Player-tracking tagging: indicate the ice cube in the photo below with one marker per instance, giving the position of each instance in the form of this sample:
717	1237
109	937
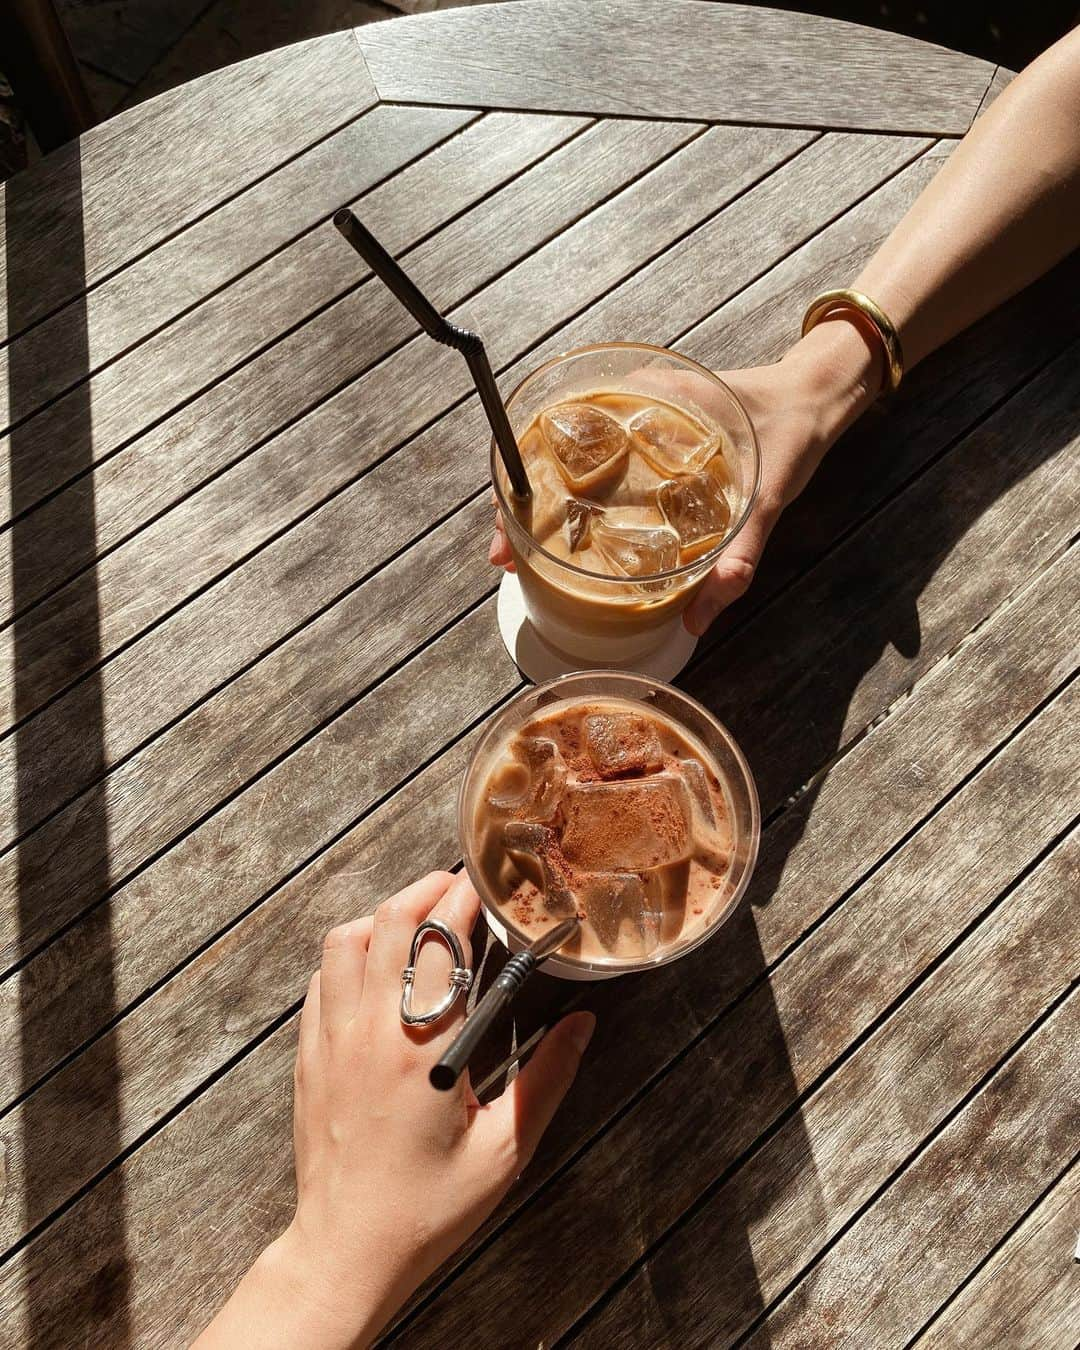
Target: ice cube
590	447
579	519
625	913
696	509
621	743
628	826
693	771
673	442
539	844
710	847
636	550
531	785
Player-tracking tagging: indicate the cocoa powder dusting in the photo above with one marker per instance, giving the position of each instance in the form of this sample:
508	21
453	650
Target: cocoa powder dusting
688	888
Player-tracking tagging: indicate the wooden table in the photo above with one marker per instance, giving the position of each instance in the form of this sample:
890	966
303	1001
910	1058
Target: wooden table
245	659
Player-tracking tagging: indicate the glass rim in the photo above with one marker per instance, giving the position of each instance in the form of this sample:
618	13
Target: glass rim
637	964
683	569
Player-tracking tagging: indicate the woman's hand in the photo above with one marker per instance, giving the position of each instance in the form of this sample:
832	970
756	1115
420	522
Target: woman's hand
391	1175
799	406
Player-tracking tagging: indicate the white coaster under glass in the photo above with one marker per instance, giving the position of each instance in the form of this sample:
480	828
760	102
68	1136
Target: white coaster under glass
540	662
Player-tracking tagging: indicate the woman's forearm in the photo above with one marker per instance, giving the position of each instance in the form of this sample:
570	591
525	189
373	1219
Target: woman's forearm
284	1302
1003	209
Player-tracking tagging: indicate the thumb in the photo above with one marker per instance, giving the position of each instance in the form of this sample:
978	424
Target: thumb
732	573
528	1104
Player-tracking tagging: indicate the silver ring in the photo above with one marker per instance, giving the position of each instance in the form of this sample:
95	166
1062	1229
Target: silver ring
461	977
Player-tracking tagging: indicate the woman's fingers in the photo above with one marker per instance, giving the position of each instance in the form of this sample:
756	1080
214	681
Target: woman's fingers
732	573
341	980
499	554
309	1027
396	921
458	909
728	580
526	1107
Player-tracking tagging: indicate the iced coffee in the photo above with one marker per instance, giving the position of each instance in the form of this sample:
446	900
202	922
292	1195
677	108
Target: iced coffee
641	473
612	809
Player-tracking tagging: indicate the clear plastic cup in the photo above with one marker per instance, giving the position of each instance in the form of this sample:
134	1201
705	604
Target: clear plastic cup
726	758
616	620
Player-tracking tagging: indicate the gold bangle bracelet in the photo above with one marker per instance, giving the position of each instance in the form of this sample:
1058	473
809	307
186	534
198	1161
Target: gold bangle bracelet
829	302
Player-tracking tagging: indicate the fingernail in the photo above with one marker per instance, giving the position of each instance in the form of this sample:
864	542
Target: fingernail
582	1026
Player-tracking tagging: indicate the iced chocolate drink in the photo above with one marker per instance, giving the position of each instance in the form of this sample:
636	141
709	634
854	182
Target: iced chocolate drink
614	809
642	466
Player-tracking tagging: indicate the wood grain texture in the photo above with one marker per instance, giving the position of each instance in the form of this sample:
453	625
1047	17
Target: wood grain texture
227	740
244	507
1026	1294
904	1257
956	716
144	933
134	180
676	58
789	1200
960	711
750	1065
359	522
296	809
244	725
1000	81
181	272
225	736
105	1301
231	328
997	479
210	753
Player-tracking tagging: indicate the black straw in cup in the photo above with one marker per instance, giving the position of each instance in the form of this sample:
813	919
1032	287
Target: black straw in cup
507	983
388	270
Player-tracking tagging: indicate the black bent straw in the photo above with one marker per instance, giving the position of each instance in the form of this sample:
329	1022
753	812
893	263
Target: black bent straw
388	270
507	983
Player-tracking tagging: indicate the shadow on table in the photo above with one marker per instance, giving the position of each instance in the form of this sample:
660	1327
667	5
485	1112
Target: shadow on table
743	1069
892	580
61	1306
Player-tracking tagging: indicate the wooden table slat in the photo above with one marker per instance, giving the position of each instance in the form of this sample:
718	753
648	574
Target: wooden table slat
987	498
934	933
1019	641
677	58
98	203
99	1290
323	786
766	1223
208	660
49	1007
250	515
671	283
1026	1293
908	1252
146	295
999	82
228	332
